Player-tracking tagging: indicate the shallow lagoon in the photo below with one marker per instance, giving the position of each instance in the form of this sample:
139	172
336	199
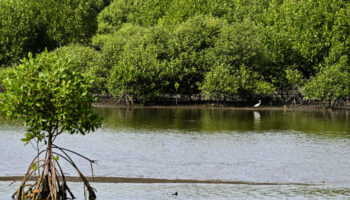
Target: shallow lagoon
254	146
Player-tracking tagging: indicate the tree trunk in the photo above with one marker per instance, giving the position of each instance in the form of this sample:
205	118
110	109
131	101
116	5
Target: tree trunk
49	147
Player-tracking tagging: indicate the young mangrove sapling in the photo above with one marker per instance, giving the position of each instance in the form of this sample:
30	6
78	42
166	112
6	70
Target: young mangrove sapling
52	98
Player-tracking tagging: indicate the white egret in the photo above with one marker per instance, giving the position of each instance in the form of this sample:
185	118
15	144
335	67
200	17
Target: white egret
257	105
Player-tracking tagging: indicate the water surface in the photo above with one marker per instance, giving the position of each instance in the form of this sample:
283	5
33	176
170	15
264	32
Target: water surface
238	145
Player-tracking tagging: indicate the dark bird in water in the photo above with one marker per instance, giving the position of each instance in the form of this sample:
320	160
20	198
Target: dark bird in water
175	194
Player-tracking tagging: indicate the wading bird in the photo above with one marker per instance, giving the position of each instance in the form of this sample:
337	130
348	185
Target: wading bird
257	105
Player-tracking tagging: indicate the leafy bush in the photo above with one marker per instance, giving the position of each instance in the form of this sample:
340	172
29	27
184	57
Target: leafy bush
331	83
251	82
192	51
83	56
223	81
307	30
3	75
284	43
33	25
88	61
240	44
16	30
117	13
112	45
48	82
219	81
170	13
139	70
51	98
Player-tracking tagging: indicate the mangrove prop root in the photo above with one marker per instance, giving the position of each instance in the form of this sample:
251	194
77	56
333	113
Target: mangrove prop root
50	182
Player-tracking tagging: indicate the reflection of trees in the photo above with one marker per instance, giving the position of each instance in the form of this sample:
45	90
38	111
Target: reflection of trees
217	120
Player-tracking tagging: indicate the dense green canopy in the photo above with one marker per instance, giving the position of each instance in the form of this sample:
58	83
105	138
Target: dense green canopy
33	25
47	93
142	48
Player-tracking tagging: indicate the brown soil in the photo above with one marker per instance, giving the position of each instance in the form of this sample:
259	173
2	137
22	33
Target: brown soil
154	180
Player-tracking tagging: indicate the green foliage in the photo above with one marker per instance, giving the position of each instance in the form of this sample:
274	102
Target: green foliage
140	68
182	56
251	82
149	13
117	13
84	57
340	40
219	81
192	51
303	34
15	30
3	72
242	81
295	78
180	11
176	85
306	31
77	26
50	96
150	48
171	13
331	83
152	12
89	62
112	45
240	44
283	41
148	62
33	25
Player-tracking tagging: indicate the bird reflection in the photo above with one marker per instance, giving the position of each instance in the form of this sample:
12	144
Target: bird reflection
257	116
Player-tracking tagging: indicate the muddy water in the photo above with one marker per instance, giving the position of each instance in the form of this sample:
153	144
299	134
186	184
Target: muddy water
250	146
128	191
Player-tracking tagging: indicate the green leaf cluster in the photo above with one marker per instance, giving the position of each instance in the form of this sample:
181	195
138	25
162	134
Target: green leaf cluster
33	25
49	96
89	62
140	67
331	83
144	47
148	62
220	81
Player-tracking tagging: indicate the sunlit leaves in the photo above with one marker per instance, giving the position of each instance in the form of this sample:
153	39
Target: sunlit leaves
331	83
220	81
223	80
89	62
33	25
140	68
49	96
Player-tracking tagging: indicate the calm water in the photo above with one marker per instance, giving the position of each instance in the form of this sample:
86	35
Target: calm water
254	146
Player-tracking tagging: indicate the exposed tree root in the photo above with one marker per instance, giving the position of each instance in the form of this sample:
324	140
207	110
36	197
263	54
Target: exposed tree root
126	98
50	181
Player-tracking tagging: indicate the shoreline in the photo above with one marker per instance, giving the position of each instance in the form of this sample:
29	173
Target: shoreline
100	179
213	106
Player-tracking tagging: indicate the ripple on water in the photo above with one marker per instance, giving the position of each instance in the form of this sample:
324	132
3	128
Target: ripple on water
199	191
251	156
303	147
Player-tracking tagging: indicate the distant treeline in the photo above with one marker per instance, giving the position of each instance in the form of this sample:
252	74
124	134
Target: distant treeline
141	50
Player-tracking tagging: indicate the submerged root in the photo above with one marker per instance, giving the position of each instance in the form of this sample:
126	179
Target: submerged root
50	182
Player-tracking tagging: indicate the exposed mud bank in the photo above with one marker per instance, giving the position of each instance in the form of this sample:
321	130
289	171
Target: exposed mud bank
222	106
100	179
